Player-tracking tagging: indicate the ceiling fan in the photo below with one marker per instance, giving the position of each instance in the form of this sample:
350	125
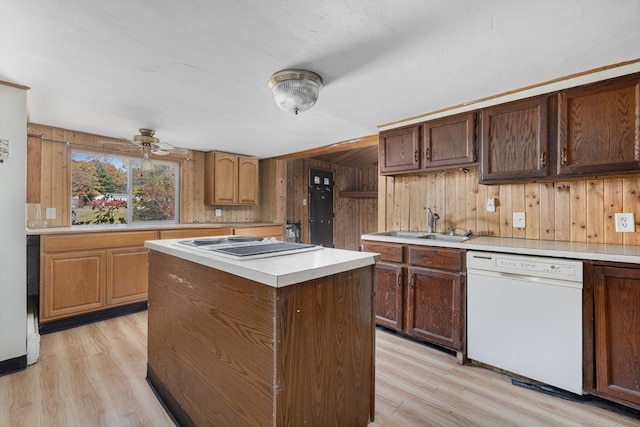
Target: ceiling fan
149	144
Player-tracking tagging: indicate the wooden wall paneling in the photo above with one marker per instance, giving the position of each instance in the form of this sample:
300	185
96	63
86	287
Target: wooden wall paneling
532	210
563	210
595	210
578	211
471	208
612	195
631	203
458	217
506	211
273	190
440	196
34	166
382	202
546	199
417	190
493	218
482	216
518	204
403	203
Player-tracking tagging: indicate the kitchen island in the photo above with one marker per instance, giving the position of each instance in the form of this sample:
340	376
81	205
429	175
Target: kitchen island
279	341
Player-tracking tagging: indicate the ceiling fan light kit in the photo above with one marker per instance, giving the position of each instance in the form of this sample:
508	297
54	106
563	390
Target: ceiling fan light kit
295	90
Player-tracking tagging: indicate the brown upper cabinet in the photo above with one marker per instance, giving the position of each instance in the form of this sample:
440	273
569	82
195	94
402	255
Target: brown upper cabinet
399	150
584	131
434	145
230	179
515	141
449	142
599	128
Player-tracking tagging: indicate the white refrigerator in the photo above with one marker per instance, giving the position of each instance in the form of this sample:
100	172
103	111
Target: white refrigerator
13	257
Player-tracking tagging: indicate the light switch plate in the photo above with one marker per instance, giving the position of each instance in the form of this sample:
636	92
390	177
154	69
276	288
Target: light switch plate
491	204
518	220
218	212
625	222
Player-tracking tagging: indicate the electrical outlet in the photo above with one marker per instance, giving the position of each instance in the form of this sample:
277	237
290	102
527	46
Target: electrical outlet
50	213
491	204
625	222
218	212
518	220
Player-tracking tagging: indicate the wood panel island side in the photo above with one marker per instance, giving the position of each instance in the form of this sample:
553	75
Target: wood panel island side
278	341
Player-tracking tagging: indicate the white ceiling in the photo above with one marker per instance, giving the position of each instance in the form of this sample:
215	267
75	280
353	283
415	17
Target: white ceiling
197	71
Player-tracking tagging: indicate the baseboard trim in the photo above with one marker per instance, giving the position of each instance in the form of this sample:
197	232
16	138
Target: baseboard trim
10	366
169	403
83	319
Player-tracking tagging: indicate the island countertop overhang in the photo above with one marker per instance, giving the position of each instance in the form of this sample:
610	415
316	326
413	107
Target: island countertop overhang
276	271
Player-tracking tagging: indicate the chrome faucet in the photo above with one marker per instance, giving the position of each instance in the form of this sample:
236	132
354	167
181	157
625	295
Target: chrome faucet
432	218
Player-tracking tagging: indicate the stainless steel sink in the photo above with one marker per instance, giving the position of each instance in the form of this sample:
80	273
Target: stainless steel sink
446	237
425	235
405	234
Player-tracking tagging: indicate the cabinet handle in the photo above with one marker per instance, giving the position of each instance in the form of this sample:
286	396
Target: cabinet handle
428	154
415	156
398	279
563	157
542	160
411	280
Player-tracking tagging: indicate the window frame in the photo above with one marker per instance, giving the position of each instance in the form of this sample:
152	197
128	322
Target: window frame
133	163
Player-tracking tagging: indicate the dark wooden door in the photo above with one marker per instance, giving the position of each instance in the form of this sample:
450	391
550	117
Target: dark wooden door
321	207
434	310
598	128
450	141
389	284
515	141
617	332
399	150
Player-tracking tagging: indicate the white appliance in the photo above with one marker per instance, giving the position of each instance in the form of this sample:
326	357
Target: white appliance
524	315
13	240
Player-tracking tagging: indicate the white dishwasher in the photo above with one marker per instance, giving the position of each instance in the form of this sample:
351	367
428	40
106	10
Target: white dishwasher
524	315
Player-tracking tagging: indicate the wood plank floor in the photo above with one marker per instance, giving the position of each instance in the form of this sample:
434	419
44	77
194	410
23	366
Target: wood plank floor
94	375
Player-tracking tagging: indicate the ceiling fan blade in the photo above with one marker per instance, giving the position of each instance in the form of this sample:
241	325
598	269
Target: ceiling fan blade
159	152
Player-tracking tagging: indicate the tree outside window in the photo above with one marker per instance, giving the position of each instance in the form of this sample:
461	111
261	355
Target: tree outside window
114	190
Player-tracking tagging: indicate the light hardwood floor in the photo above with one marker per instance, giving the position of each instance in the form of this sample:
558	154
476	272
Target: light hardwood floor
94	375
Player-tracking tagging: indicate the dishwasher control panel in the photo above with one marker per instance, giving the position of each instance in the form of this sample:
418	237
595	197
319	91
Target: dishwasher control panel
525	265
532	266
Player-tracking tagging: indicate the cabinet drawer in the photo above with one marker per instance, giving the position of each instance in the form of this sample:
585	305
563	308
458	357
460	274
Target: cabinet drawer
388	251
84	241
435	257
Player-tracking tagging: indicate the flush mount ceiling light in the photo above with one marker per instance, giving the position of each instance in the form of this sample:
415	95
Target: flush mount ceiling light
295	91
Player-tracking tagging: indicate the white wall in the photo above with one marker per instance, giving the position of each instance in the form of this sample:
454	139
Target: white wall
13	258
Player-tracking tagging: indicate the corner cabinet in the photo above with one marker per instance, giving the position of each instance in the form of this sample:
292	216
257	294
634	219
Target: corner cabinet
612	332
230	179
421	292
599	128
515	141
83	273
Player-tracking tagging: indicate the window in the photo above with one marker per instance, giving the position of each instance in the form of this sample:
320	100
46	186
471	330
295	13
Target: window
109	189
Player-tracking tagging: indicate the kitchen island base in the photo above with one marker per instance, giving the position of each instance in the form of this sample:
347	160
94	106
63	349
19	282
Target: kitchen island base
226	350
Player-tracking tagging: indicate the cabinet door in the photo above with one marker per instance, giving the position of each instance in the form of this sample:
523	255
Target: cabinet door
399	150
617	332
598	128
248	181
449	142
515	141
127	275
225	179
389	284
72	283
435	307
391	252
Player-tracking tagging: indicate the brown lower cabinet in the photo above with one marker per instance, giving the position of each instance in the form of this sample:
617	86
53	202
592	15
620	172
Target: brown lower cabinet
420	292
83	273
612	332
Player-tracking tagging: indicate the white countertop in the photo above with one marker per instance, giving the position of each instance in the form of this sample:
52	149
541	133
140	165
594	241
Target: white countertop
549	248
276	271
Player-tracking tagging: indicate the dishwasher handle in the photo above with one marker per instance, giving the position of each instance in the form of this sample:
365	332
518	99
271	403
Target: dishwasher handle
523	278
